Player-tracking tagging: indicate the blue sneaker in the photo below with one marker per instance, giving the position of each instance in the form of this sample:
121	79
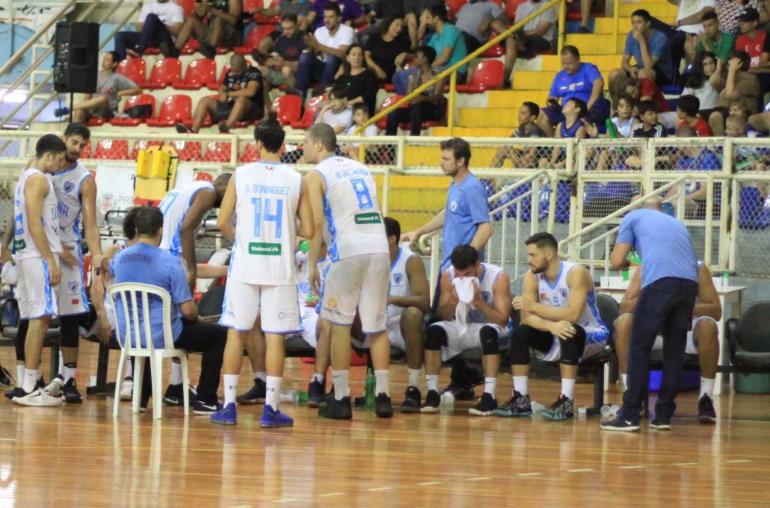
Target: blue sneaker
272	418
225	416
60	112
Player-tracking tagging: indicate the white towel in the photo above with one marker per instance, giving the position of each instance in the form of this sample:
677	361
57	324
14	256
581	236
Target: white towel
464	287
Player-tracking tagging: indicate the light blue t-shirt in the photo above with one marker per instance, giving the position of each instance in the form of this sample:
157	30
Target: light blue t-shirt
147	264
566	86
466	208
657	46
662	242
450	37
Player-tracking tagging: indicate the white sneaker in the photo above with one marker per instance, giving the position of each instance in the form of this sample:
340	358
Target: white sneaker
54	388
38	398
127	389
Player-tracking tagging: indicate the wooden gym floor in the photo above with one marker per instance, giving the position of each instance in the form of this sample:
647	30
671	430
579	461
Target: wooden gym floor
79	456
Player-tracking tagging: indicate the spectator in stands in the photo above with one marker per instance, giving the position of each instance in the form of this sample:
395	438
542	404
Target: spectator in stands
573	127
705	81
576	79
477	19
649	128
327	46
282	63
413	10
387	49
535	37
241	99
757	45
689	26
585	14
360	84
522	157
687	109
693	158
360	117
214	24
622	125
110	87
336	113
713	40
641	90
730	10
351	12
301	9
158	22
446	39
650	51
429	105
741	87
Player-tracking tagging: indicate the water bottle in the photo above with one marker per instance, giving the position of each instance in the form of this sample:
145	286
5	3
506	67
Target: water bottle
289	396
536	407
447	405
610	411
725	279
369	388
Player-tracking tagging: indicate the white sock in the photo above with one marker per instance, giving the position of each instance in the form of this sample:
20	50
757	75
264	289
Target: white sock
273	390
61	365
414	377
175	378
340	382
318	377
706	386
568	388
231	387
69	373
260	375
624	378
520	384
129	370
382	382
431	380
19	374
30	380
490	384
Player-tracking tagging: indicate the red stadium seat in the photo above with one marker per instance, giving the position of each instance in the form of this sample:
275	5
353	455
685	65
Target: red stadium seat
495	51
249	153
217	151
199	73
173	109
382	123
510	8
190	47
96	121
137	100
111	149
86	152
214	85
187	5
203	176
187	150
165	72
312	107
288	108
252	41
134	69
143	144
454	6
485	75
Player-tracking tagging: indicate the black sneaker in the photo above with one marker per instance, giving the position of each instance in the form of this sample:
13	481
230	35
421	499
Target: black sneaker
205	408
223	128
5	377
562	409
706	412
182	128
256	395
461	392
14	392
519	405
382	406
485	407
174	395
70	392
660	423
207	50
337	409
168	50
359	401
315	394
432	402
619	424
412	399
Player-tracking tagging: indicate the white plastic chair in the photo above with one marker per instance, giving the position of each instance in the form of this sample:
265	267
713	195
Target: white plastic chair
133	297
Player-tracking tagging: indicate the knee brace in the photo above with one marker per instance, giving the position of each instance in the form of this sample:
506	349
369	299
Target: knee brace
21	339
572	349
490	342
68	328
519	352
435	337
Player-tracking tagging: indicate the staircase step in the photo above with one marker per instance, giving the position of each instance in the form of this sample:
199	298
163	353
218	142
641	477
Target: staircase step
514	98
596	44
489	117
415	156
542	80
486	132
552	63
656	9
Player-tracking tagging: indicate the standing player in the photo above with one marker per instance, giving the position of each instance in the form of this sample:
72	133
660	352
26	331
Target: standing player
266	198
408	302
36	248
344	193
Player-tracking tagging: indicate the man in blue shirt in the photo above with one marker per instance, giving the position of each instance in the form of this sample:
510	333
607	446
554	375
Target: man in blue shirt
447	39
144	262
576	79
669	288
650	50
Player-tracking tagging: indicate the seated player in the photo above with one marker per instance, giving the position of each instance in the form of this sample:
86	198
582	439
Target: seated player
559	319
702	339
473	308
408	301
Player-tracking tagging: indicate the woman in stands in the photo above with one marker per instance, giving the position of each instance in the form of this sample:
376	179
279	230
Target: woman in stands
705	81
360	83
387	50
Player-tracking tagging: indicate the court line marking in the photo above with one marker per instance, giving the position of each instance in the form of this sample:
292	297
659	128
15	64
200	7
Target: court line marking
478	478
585	470
330	494
379	489
684	464
637	466
425	484
7	439
737	461
528	474
287	500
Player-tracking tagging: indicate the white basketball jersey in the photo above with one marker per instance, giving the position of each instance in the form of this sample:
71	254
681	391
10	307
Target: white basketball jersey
487	280
557	295
23	245
174	207
67	185
399	280
265	230
353	218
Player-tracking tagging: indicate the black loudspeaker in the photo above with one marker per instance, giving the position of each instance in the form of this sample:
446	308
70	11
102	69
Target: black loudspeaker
76	57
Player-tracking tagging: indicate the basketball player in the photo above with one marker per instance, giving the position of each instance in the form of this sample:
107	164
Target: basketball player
36	248
408	302
484	324
344	193
559	319
266	198
702	338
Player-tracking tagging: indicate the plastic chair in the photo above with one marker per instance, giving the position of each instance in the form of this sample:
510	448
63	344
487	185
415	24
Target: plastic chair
134	69
249	153
165	72
252	40
111	149
199	73
288	108
217	151
134	300
187	150
187	5
137	100
143	144
510	8
215	84
173	109
748	339
382	123
485	75
454	6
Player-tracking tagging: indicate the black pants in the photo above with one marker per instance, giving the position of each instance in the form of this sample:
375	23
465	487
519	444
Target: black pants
664	306
525	337
415	114
154	32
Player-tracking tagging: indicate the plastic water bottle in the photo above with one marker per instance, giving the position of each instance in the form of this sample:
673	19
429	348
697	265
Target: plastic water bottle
610	411
725	279
289	396
369	388
447	404
537	407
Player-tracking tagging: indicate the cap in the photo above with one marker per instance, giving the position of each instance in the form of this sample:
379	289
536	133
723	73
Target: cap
749	14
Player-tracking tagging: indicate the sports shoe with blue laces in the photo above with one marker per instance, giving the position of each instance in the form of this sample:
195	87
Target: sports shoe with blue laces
225	416
272	418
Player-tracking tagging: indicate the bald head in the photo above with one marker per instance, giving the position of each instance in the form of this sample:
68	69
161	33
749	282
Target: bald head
653	203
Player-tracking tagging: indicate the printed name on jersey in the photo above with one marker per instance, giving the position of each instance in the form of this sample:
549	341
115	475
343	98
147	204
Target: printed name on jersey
19	245
368	218
264	249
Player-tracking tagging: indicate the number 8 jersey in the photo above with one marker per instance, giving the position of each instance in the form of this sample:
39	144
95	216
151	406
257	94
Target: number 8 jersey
267	197
353	218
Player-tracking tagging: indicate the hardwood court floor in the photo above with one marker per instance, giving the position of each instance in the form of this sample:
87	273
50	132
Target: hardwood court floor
79	456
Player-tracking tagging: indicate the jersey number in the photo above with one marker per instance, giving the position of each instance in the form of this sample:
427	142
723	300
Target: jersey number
262	213
362	194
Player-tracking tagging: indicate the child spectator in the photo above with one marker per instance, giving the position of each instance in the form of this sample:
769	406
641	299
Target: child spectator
705	81
336	113
522	157
687	111
573	127
649	128
360	117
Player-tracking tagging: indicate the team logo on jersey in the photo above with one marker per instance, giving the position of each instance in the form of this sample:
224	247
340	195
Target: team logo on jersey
69	187
331	303
485	295
397	278
73	287
563	292
453	206
542	297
